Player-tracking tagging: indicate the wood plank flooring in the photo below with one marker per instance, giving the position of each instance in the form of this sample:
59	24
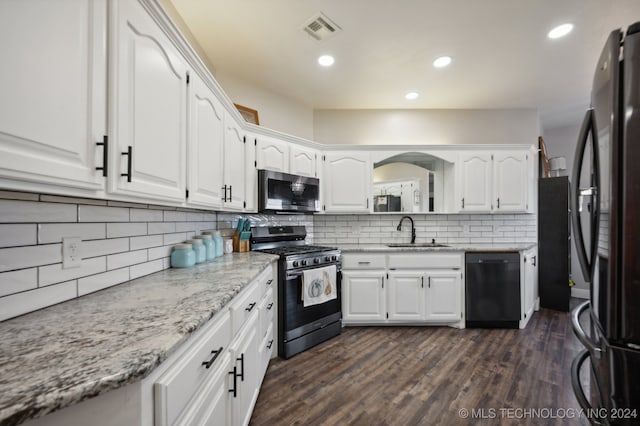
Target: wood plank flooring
425	376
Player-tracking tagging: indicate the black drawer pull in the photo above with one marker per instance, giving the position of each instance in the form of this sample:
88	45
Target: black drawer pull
105	154
216	354
250	307
224	188
241	359
269	306
270	344
234	391
129	155
230	193
269	282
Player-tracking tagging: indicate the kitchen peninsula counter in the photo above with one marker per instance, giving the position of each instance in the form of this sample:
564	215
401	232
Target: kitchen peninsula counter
58	356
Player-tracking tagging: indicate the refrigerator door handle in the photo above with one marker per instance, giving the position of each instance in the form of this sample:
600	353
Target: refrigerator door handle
577	387
579	332
576	196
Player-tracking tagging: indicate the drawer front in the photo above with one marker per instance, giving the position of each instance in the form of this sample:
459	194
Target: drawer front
266	280
244	305
363	261
425	261
266	349
266	312
175	388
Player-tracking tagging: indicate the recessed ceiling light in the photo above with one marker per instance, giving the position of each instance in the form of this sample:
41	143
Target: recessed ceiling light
411	96
326	60
560	31
442	61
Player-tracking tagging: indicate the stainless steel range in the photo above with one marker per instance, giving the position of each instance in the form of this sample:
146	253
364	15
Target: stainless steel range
300	327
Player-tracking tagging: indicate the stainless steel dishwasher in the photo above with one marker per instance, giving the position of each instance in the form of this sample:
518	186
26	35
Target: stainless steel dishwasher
493	289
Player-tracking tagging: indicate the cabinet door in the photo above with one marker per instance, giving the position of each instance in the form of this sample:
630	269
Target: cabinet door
363	296
405	296
204	150
234	165
530	282
475	182
302	161
510	181
148	105
347	181
272	154
245	352
443	295
53	83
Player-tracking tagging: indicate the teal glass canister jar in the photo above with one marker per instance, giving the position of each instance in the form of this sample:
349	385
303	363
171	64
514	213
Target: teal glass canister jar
199	249
208	245
183	256
217	239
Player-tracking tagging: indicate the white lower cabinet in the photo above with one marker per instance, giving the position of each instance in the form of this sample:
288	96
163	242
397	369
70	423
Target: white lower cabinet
244	385
407	288
529	284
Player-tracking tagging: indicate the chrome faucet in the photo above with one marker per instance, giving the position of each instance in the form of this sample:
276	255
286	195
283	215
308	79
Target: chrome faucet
413	228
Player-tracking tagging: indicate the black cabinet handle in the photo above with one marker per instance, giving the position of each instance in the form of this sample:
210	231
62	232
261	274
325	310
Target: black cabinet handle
534	260
230	193
269	282
269	306
224	198
241	359
422	283
498	202
216	354
234	373
250	307
429	283
129	155
105	154
270	344
463	203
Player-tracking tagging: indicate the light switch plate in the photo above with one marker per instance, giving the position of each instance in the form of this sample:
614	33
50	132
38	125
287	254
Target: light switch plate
71	257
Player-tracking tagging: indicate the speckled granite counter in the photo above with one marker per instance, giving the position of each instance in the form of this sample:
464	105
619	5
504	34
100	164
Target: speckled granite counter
354	248
69	352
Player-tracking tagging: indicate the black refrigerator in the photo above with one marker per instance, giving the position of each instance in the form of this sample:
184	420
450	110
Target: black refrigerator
605	209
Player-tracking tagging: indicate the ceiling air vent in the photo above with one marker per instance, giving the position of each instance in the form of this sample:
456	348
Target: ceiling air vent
320	27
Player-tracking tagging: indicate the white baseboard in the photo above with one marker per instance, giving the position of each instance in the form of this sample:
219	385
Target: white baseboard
580	293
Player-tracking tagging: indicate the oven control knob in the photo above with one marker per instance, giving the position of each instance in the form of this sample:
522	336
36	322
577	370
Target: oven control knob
316	260
295	263
304	263
334	258
327	258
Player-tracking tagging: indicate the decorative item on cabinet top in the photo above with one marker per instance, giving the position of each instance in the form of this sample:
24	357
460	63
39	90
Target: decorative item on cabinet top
249	115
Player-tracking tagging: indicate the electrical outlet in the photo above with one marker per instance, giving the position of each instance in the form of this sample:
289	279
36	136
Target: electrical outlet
71	257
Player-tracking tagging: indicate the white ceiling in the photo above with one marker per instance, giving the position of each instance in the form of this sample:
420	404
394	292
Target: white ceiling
501	55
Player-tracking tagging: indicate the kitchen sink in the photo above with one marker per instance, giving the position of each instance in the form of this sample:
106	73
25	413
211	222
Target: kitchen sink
416	245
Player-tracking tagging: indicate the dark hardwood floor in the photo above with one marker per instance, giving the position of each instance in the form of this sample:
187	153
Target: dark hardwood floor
426	376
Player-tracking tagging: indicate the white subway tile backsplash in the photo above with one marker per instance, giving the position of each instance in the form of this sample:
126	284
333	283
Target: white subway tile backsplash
28	301
147	241
174	238
54	232
175	216
12	211
102	214
100	281
52	274
72	200
12	235
159	252
142	269
97	248
145	215
129	258
28	256
115	230
187	226
17	281
161	228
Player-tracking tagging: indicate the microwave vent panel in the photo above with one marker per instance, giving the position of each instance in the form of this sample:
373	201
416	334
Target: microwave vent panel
320	27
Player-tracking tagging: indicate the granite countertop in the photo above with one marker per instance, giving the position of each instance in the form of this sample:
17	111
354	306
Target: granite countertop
355	248
75	350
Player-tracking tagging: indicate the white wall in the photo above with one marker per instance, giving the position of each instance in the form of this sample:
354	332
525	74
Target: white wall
274	111
561	142
426	126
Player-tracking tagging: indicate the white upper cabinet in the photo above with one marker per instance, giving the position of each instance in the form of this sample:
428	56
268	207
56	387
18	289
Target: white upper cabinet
272	154
233	188
475	182
510	181
204	148
347	181
497	181
148	96
303	160
53	95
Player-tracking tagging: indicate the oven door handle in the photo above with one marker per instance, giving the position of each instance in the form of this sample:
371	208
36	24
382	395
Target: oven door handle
294	275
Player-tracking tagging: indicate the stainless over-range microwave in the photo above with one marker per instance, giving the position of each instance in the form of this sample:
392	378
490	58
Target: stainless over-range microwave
283	192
